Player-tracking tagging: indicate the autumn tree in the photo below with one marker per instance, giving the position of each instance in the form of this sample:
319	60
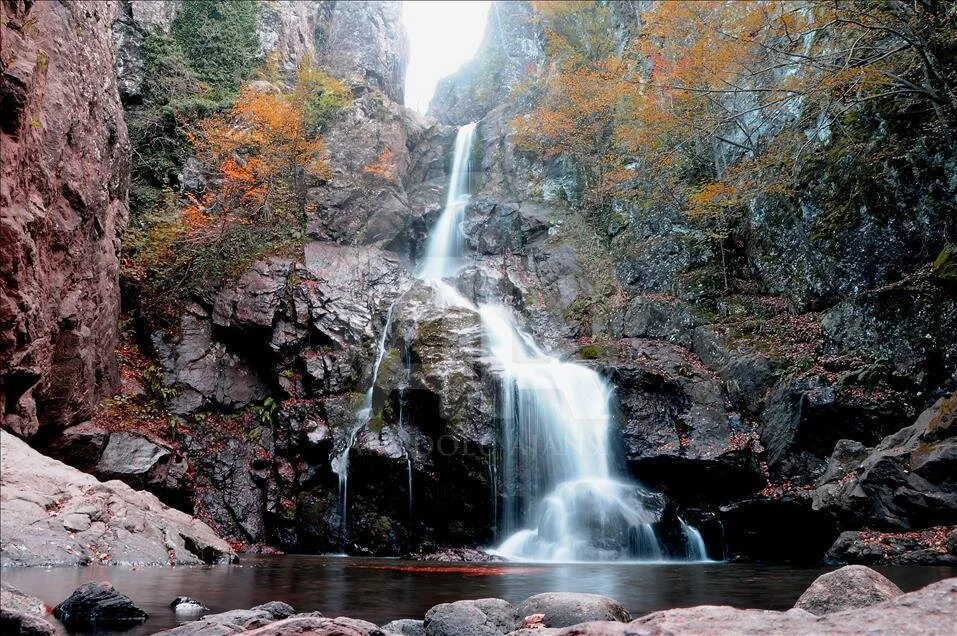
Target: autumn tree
260	156
580	92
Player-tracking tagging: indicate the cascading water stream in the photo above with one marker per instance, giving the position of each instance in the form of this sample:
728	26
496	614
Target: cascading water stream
561	502
340	462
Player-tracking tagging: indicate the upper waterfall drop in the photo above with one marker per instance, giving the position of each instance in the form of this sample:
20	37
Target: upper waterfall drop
560	500
446	245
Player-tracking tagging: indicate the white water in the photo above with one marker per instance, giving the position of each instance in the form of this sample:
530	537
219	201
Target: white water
340	462
560	501
446	245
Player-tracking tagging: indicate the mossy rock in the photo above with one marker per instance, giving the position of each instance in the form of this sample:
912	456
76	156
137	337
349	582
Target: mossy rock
591	352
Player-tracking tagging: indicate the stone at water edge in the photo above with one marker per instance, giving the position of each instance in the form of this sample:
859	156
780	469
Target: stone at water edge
97	606
277	609
405	627
850	587
24	624
562	609
482	617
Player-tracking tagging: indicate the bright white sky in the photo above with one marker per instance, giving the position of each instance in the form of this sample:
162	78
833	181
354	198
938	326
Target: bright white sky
442	36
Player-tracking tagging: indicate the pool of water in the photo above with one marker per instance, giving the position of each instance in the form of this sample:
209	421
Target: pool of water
380	590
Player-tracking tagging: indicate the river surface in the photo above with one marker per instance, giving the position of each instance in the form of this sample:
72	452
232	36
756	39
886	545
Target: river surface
380	590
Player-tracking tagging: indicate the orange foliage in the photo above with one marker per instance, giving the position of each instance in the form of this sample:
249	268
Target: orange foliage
706	90
383	167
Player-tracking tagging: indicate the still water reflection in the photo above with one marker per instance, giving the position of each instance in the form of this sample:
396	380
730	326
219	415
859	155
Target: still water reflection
380	590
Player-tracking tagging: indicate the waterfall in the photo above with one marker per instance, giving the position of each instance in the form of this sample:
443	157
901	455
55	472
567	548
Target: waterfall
340	461
446	244
560	499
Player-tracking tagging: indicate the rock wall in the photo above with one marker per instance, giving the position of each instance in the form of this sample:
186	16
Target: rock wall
513	50
65	175
52	514
362	43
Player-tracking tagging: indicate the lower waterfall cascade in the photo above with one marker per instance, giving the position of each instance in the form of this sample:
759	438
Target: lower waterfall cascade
560	499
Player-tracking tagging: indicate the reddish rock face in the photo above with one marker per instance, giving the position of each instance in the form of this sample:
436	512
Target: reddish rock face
63	208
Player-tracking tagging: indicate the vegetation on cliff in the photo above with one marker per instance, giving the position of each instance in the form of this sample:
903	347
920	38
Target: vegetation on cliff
258	158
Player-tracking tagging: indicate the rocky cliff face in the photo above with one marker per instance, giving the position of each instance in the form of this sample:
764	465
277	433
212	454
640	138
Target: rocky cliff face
360	43
513	50
65	177
740	366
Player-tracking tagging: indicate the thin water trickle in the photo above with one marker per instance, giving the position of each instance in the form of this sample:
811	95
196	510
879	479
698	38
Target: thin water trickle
559	500
340	461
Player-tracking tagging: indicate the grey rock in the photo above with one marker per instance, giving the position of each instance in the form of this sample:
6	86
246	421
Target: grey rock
850	587
907	480
24	624
80	446
127	526
202	370
14	599
676	429
192	178
365	43
405	626
277	609
513	42
133	457
930	610
482	617
563	609
889	548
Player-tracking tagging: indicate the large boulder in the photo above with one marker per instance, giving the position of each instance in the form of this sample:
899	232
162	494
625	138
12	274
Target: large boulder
677	431
907	481
850	587
97	606
561	609
52	514
24	624
483	617
928	546
931	610
63	210
23	614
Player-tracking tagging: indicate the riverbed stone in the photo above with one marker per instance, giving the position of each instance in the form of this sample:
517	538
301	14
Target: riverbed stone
930	610
277	609
98	606
24	624
561	609
482	617
405	626
849	587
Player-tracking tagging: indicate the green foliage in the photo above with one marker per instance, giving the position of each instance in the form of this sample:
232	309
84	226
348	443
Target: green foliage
219	39
320	96
945	265
590	352
187	76
266	412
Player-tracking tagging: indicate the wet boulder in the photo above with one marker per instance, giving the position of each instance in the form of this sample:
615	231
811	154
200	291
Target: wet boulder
97	606
850	587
